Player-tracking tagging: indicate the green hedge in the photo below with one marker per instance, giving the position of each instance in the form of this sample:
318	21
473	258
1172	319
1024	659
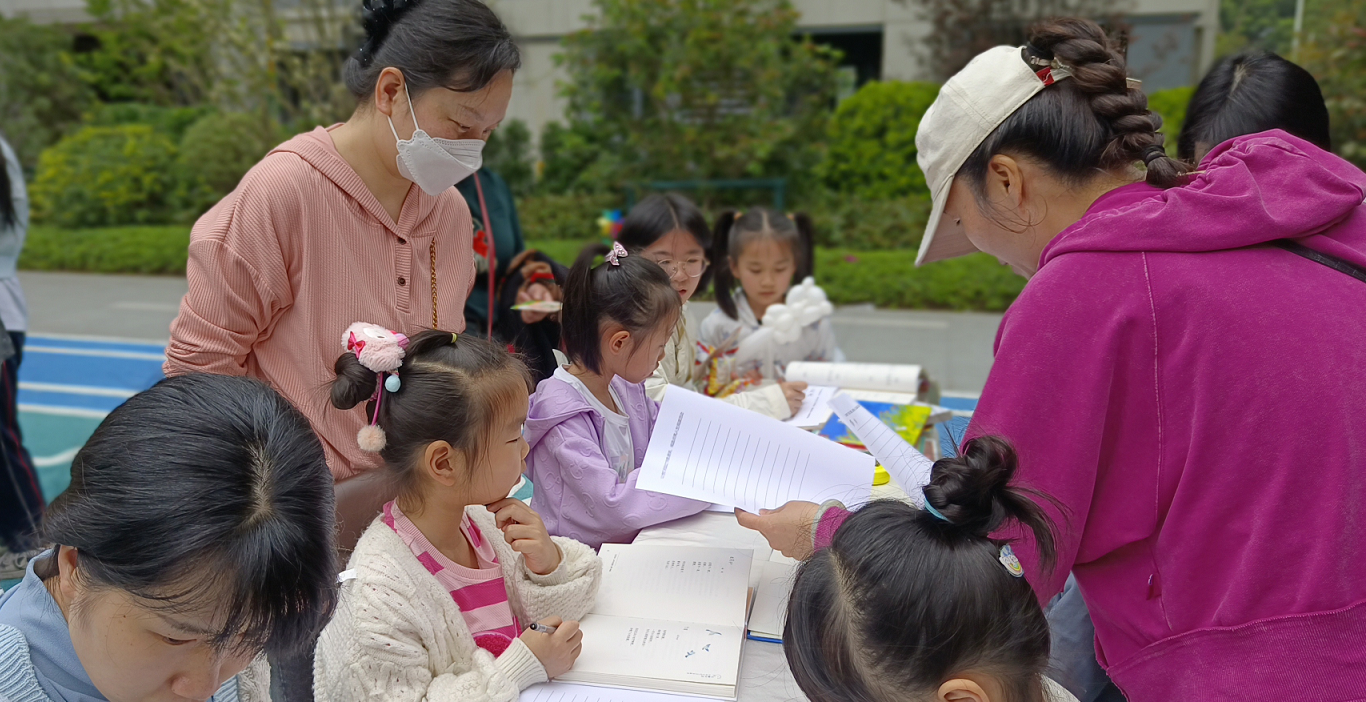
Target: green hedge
884	278
148	250
870	144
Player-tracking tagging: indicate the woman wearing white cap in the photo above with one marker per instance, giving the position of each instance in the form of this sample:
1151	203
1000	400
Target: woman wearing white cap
1181	374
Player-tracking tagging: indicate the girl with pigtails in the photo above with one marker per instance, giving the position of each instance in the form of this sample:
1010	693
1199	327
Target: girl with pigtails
1170	318
767	323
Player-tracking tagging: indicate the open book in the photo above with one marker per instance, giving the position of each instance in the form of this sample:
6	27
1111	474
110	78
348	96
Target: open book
769	614
667	619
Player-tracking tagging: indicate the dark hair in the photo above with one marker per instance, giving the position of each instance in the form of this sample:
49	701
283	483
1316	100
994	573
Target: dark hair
1249	93
659	214
1088	122
8	215
635	293
902	600
453	390
207	485
736	230
459	45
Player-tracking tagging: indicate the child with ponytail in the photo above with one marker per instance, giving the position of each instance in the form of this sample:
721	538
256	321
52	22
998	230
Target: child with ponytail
764	252
923	604
441	587
590	422
669	230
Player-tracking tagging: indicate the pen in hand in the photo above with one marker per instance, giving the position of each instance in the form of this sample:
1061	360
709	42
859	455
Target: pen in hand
542	628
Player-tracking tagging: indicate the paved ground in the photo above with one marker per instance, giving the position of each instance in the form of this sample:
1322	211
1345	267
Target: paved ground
97	339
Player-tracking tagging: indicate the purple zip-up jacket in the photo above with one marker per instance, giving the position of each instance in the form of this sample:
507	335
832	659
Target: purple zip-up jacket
1195	400
577	493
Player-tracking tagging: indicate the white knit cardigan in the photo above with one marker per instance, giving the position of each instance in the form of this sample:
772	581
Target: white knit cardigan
398	635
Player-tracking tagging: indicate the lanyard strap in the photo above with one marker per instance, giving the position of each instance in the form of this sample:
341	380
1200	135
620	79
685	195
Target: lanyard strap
1331	261
493	250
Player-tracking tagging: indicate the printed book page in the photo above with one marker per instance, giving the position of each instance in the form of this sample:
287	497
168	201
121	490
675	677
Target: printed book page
815	408
685	583
705	449
566	692
618	648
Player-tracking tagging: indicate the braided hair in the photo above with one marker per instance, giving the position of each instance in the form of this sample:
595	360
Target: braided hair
1093	120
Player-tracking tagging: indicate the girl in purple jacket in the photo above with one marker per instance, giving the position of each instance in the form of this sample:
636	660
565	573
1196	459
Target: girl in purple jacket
590	422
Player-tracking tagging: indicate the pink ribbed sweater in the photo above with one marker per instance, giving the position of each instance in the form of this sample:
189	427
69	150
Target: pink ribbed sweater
300	250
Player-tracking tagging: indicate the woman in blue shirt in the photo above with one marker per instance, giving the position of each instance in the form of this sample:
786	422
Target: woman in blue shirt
197	535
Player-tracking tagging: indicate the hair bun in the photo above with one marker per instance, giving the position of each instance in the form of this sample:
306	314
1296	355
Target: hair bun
972	490
378	17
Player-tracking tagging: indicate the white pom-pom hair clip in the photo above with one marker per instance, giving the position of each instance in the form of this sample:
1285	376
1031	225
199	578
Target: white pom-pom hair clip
380	350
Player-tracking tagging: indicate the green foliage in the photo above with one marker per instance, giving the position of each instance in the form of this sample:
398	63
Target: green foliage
1260	24
41	94
871	141
890	279
170	122
1171	104
865	225
564	217
692	89
103	176
147	250
1334	50
577	159
153	51
215	152
508	153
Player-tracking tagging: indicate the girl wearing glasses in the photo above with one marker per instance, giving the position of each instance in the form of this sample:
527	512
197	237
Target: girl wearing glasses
669	230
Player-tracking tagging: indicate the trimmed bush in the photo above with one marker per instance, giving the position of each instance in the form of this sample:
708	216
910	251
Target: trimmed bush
147	250
890	279
170	122
871	140
573	217
867	225
103	176
216	151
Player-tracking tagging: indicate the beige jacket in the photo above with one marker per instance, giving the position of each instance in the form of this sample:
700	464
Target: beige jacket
398	636
677	368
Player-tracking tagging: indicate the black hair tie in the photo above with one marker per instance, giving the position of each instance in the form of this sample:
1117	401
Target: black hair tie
378	17
1152	153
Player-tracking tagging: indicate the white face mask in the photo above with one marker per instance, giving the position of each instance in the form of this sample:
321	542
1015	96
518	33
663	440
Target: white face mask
435	164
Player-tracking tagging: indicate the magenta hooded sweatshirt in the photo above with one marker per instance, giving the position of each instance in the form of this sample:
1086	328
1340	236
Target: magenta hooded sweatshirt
1195	401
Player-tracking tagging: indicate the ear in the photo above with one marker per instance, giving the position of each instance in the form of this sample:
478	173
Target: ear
961	690
443	464
67	565
1005	182
618	342
389	88
734	268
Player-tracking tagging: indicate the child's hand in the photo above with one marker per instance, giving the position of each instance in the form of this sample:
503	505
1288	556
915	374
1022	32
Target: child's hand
525	531
795	394
558	651
534	293
788	529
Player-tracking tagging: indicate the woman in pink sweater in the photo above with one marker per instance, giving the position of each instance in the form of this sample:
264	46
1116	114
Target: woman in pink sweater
356	220
1182	374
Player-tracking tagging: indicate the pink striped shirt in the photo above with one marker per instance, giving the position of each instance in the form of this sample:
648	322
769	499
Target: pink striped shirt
301	249
480	593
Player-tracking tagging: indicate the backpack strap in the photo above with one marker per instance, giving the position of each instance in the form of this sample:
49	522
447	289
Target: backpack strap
1331	261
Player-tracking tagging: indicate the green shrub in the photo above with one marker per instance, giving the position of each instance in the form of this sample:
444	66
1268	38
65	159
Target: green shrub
1171	104
216	151
890	279
146	250
576	159
871	140
508	153
102	176
170	122
866	225
573	217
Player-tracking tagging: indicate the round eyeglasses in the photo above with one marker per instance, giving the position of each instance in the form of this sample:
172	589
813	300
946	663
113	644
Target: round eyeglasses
692	267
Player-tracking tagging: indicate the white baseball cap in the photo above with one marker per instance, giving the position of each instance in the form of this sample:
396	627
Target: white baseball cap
970	106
